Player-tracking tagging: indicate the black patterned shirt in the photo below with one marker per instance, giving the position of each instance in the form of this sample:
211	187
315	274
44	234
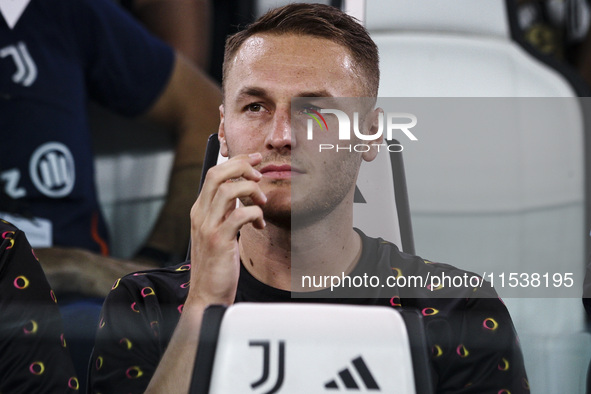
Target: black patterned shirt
33	353
473	344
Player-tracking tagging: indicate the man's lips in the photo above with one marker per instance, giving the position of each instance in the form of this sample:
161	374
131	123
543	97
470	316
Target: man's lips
279	171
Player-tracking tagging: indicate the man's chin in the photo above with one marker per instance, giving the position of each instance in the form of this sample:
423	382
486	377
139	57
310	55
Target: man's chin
279	219
274	212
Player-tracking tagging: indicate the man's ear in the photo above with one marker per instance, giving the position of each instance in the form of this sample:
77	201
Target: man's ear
373	121
222	134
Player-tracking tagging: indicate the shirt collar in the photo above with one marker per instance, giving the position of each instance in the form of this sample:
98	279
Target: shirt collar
12	10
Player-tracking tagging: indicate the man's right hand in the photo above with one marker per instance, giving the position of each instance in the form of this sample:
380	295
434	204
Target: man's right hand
215	223
215	261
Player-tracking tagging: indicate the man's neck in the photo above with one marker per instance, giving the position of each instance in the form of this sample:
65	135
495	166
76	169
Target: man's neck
280	256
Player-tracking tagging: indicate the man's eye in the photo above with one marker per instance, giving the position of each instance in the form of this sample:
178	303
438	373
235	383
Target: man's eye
309	109
254	107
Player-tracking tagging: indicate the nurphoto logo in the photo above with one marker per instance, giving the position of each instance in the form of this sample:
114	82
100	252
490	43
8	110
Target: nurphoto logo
394	121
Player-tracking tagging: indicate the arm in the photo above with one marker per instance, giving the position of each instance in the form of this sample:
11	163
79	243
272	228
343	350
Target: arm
184	24
190	104
477	349
73	270
133	330
132	73
215	262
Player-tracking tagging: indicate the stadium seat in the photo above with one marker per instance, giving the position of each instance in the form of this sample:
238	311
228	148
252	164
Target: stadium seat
301	348
494	199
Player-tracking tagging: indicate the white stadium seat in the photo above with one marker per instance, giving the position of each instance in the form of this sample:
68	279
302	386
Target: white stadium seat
302	348
502	200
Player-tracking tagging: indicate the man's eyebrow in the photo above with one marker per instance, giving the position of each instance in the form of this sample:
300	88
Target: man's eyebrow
259	92
251	92
316	93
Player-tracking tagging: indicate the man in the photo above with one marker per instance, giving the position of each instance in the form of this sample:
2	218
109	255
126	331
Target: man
297	207
54	56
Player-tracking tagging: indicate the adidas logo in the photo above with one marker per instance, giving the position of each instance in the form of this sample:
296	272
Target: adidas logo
349	382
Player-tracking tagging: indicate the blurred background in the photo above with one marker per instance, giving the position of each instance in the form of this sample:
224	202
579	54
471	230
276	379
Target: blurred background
516	200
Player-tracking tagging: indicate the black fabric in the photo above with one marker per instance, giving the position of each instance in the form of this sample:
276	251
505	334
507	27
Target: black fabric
229	17
156	255
33	353
472	339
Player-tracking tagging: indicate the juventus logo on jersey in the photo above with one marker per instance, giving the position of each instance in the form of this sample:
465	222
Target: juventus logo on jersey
26	70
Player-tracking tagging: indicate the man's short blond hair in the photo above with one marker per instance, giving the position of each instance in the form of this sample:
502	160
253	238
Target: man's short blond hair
317	20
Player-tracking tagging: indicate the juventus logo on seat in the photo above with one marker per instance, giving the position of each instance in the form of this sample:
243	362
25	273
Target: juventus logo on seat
26	70
266	345
349	381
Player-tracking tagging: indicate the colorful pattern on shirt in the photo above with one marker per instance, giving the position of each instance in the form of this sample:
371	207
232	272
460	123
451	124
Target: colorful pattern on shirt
474	348
33	353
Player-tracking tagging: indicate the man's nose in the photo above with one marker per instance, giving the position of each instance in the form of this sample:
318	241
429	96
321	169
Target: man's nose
279	137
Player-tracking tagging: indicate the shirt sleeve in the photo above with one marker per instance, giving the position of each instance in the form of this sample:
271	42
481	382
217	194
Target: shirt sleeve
469	332
128	343
33	352
475	349
126	67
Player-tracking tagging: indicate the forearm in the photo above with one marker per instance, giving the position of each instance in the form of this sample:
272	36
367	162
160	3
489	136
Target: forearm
215	267
190	103
184	24
170	233
71	270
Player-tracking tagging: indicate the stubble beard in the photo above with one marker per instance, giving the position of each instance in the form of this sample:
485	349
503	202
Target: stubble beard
275	212
307	206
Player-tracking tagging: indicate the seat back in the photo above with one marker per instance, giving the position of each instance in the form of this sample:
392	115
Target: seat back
460	49
299	348
486	197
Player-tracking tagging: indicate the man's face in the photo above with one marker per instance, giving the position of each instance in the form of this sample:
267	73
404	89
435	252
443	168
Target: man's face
265	74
